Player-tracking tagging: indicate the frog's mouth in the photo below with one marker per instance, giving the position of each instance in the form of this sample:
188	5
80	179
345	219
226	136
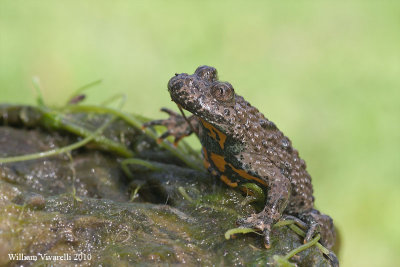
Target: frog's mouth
185	92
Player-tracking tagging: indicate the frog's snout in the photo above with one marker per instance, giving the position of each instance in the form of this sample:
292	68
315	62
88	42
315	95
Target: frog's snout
176	83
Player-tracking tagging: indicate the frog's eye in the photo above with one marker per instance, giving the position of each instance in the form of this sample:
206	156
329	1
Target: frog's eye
223	91
207	73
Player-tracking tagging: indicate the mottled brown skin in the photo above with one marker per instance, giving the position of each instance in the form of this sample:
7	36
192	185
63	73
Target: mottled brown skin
240	146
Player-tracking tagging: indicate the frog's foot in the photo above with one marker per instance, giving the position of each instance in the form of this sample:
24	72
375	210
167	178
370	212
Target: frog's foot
317	223
326	227
260	222
314	222
177	126
312	229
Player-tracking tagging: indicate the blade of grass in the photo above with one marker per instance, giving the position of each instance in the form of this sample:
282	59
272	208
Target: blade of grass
38	89
137	123
58	150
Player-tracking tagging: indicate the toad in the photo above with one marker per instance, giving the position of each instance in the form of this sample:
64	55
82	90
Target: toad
240	145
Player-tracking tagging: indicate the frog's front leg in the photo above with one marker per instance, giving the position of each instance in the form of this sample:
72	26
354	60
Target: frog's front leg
177	125
277	200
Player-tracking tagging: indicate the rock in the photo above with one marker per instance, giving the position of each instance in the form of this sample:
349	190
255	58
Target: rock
84	209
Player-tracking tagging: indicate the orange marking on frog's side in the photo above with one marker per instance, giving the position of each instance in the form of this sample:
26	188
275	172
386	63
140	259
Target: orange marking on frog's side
206	163
205	153
222	138
228	182
245	175
213	132
210	128
218	161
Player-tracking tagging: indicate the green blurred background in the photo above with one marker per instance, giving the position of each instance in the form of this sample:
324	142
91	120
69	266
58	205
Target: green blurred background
327	73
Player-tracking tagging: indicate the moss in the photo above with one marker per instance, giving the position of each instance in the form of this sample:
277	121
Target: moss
81	203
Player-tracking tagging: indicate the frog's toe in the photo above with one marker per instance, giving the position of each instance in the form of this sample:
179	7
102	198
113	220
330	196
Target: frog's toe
261	223
313	229
296	220
249	222
267	238
242	223
161	138
152	123
170	112
333	259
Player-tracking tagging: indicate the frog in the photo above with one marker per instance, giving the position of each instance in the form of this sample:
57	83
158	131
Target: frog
240	146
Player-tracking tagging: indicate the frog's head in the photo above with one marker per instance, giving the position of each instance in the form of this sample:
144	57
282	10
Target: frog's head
205	96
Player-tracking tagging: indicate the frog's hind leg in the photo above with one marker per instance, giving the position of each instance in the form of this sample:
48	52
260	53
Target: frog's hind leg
277	200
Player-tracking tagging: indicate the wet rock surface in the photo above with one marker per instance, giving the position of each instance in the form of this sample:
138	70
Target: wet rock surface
82	205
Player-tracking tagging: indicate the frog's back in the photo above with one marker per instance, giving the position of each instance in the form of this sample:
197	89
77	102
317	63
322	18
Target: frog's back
267	148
